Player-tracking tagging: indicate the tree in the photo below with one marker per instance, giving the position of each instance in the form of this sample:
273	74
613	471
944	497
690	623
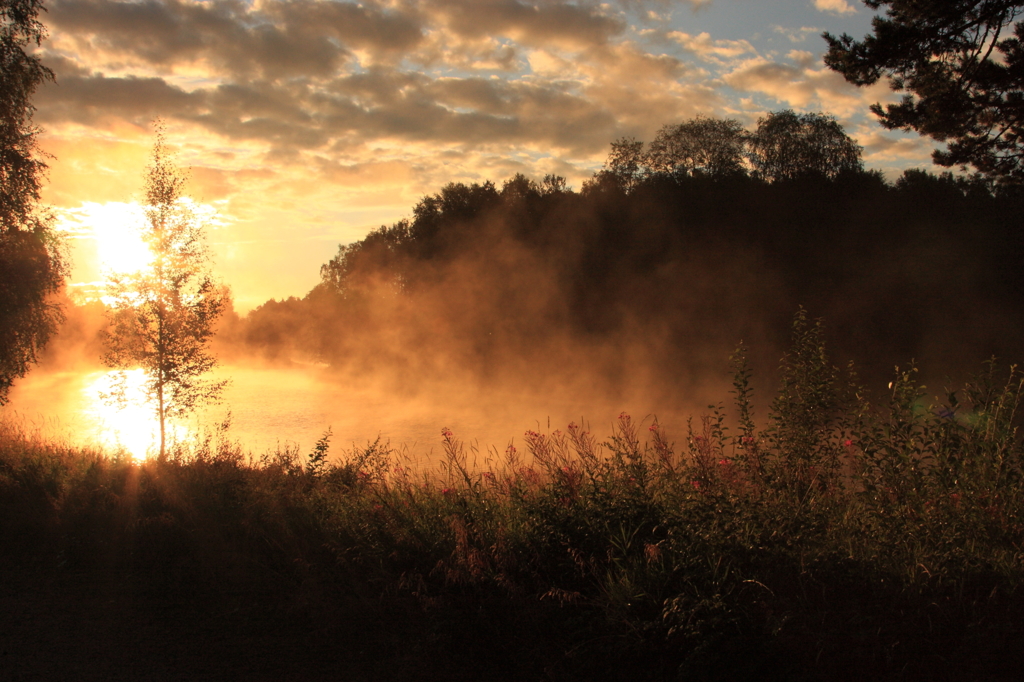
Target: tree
625	167
161	318
961	65
701	146
787	145
33	264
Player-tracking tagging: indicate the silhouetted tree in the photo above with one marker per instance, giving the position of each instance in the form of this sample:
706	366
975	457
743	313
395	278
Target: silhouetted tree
162	317
33	266
371	263
624	169
961	63
457	203
702	146
787	145
553	184
518	189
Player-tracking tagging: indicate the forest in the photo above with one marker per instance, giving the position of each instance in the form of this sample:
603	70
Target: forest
673	268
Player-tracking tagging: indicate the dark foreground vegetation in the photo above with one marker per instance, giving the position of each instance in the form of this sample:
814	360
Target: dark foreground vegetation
847	539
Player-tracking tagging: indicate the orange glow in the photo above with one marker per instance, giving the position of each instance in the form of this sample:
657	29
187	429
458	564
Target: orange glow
133	424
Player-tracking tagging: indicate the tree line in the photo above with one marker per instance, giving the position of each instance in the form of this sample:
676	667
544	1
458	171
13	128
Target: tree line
785	145
689	262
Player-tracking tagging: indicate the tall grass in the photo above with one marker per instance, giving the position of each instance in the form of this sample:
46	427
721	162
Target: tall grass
847	538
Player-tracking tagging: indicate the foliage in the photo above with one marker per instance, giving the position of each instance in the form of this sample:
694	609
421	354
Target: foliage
787	145
33	264
162	317
703	145
784	146
625	167
961	65
446	287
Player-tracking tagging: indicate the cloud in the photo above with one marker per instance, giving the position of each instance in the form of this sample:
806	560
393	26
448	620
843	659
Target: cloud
797	35
835	6
802	86
96	98
553	23
707	49
272	40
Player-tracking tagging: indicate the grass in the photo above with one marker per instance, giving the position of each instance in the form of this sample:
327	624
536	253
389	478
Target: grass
846	539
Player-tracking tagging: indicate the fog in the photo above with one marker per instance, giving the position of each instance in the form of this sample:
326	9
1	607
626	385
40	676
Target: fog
493	311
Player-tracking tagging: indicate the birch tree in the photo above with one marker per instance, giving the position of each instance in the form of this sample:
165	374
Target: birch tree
161	318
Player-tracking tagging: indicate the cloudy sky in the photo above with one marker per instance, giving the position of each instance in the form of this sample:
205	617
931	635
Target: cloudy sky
306	123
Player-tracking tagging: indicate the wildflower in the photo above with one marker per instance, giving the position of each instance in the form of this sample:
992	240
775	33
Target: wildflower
446	491
696	484
848	443
446	432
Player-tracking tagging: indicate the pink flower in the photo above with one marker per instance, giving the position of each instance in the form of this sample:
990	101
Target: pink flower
848	442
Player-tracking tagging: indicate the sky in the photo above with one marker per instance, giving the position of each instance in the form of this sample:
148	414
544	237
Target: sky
305	123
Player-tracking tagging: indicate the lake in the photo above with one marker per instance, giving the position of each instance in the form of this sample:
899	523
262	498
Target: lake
273	408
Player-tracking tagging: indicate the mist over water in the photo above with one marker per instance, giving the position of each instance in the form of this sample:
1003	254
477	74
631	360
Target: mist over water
494	312
274	408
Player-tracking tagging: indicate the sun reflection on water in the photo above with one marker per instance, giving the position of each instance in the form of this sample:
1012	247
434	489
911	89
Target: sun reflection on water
130	424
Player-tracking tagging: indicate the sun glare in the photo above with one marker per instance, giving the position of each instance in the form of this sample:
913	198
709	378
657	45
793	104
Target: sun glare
132	425
114	227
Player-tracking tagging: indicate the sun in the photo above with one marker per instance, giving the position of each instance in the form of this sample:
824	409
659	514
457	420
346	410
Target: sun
114	228
119	243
